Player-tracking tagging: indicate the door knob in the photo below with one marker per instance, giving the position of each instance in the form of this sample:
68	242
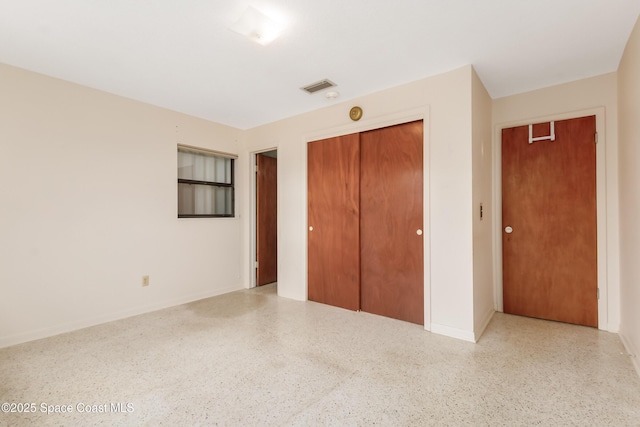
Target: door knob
508	230
310	228
419	232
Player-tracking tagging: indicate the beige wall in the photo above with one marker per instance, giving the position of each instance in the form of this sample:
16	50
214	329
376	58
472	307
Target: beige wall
629	175
88	206
444	102
89	198
597	95
92	204
483	283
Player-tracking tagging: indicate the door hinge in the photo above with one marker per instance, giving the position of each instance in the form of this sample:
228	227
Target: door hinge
598	293
256	264
596	139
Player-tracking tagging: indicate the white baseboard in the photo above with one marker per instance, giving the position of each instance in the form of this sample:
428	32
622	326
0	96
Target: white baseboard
483	326
452	332
37	334
464	335
633	352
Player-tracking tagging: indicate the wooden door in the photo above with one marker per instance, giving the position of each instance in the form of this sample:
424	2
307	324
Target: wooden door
549	201
391	245
333	221
266	219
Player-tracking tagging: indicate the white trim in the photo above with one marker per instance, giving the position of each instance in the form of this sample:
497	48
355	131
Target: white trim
426	194
485	322
601	202
631	351
371	124
453	332
397	118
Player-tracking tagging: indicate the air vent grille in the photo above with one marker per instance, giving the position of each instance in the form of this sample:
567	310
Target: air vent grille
318	86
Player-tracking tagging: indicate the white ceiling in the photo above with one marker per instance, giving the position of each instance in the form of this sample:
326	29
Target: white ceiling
180	54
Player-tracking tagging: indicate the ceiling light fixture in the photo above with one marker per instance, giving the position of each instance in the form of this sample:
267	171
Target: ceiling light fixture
257	26
332	94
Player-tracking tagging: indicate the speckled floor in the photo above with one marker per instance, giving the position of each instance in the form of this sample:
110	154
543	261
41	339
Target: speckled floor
252	359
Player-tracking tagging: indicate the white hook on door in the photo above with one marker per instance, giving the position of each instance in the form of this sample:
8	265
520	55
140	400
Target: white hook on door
551	137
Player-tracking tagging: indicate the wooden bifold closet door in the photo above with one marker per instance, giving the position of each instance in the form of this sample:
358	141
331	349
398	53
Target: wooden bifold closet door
365	246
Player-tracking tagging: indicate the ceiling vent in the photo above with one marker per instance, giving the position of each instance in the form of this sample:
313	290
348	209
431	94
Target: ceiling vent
318	86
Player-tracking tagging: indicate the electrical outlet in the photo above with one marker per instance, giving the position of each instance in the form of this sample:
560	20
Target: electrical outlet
145	280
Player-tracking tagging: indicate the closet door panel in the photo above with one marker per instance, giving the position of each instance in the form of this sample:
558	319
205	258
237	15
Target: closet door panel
391	215
333	221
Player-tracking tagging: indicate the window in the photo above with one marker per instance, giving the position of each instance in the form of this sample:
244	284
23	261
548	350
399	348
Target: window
205	184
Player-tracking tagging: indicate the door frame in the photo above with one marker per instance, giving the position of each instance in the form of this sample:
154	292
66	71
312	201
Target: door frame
601	203
253	204
364	125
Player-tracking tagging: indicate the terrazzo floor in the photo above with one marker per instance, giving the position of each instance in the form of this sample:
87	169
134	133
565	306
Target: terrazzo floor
250	358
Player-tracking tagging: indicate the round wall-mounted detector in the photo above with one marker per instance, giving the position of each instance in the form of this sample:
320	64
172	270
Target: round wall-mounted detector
355	113
332	94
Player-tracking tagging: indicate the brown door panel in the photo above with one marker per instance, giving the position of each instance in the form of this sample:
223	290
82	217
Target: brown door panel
267	219
549	200
333	218
391	206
